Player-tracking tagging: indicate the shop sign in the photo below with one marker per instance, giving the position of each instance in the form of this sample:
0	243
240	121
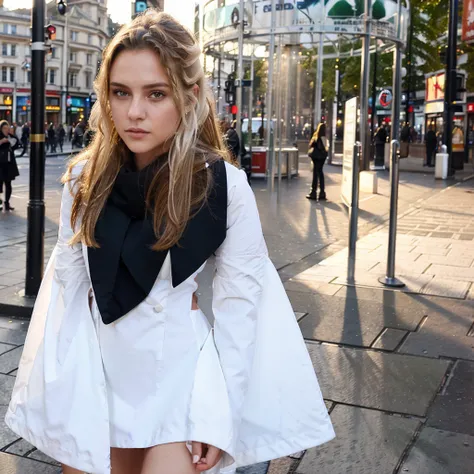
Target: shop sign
77	109
470	108
7	100
386	98
52	108
468	21
77	101
6	90
435	87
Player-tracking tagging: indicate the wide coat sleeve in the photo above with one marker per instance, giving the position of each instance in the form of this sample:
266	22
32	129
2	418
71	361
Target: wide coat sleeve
58	402
274	403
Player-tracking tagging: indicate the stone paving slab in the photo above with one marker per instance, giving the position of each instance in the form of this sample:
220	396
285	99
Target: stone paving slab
348	320
11	464
389	339
6	387
453	409
12	337
367	442
10	360
6	435
440	452
371	379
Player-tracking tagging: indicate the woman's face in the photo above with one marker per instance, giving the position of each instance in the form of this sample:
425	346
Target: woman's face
142	105
6	129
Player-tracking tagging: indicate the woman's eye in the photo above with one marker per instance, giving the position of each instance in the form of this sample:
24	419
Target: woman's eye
120	93
157	95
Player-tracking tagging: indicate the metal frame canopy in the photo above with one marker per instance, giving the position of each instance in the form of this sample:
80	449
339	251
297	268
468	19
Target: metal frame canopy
301	19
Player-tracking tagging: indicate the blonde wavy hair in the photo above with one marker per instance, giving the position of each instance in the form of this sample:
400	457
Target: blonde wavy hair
182	183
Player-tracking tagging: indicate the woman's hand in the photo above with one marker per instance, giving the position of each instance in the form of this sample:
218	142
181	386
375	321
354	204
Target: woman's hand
3	140
205	456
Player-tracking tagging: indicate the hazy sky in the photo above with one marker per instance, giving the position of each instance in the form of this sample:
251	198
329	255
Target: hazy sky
120	9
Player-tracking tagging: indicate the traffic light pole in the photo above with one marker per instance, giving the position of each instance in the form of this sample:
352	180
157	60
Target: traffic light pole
240	74
35	234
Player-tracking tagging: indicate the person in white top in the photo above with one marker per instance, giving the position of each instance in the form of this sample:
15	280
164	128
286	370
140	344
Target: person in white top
318	152
121	371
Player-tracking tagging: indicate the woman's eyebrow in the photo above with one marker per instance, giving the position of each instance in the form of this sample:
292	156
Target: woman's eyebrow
147	86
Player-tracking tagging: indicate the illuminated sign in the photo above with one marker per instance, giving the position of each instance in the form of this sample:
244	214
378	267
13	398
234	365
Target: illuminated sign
435	87
468	21
53	108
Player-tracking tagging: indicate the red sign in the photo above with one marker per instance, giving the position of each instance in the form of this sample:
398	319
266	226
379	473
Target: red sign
468	21
6	90
470	108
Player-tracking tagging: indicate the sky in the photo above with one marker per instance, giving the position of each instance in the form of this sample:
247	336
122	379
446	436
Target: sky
120	10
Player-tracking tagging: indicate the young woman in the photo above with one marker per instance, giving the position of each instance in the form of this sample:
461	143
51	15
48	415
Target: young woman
8	167
120	368
318	152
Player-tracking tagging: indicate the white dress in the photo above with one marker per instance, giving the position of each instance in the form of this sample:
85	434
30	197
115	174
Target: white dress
160	374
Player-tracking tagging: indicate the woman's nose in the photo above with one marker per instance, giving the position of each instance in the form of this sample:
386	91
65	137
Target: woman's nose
137	109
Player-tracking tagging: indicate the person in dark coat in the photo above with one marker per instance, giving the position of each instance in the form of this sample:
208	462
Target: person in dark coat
52	138
61	136
25	138
8	167
380	140
318	152
431	143
233	141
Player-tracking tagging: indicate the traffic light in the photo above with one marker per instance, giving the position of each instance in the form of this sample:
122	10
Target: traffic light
230	89
62	7
50	32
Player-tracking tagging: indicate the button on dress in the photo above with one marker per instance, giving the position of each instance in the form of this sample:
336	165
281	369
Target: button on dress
160	373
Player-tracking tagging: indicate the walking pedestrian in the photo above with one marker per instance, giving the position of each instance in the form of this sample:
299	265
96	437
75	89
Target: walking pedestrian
8	167
25	138
121	369
232	140
431	143
52	138
61	132
318	152
380	141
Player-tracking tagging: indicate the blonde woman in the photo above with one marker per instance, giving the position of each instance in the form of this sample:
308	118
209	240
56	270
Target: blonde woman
121	370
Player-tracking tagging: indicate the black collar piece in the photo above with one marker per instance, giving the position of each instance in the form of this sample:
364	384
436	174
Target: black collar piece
124	269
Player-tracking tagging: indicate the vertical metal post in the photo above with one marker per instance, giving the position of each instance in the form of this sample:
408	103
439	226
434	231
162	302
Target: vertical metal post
35	233
450	85
364	86
240	75
269	101
279	91
64	75
318	96
335	107
374	100
354	214
250	127
389	279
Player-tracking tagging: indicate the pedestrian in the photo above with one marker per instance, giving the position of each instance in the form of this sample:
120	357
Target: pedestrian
78	135
70	132
8	167
25	138
52	138
61	132
118	354
380	141
233	141
404	141
431	142
318	152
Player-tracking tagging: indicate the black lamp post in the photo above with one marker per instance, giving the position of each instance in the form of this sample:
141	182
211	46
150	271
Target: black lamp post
35	233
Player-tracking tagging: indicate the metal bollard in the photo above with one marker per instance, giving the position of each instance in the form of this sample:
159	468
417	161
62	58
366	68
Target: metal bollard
354	213
389	279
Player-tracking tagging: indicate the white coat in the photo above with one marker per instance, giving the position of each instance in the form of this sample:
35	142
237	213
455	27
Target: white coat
160	374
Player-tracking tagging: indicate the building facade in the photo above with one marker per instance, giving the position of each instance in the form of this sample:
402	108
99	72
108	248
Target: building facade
71	63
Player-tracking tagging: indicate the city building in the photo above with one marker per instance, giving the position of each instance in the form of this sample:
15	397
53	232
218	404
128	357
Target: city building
71	62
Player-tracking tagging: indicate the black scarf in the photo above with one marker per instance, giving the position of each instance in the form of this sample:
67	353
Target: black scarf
125	268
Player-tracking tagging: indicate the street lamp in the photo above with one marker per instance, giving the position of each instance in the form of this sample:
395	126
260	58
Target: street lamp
35	233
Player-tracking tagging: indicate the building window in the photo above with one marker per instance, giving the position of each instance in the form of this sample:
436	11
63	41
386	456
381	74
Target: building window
4	49
73	35
89	39
28	50
5	27
13	50
52	76
88	79
54	53
72	79
89	59
4	74
12	74
100	20
101	41
72	57
28	76
13	29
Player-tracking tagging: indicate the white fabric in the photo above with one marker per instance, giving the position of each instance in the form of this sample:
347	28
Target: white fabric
160	374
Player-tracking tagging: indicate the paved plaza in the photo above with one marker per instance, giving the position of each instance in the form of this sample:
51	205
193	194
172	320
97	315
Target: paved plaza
396	368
